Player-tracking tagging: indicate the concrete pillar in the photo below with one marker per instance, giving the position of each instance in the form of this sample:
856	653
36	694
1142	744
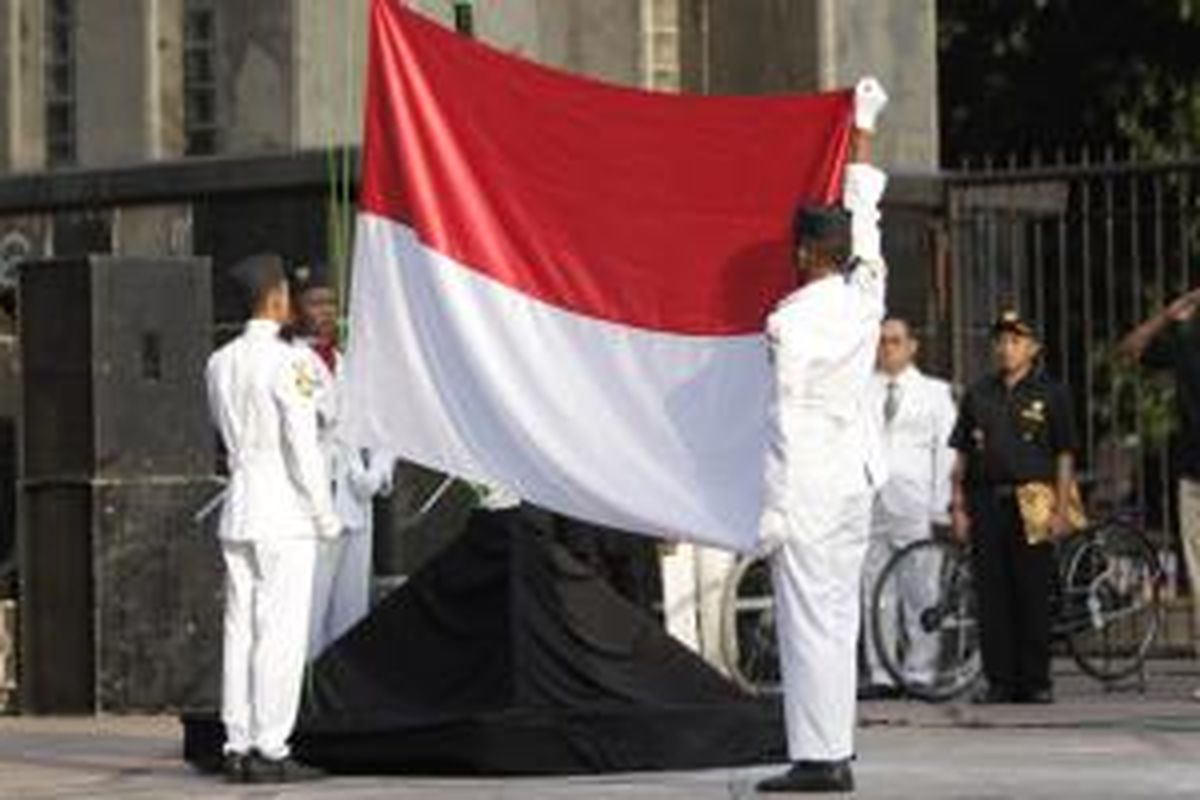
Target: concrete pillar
129	74
22	111
897	42
258	71
331	76
598	38
735	47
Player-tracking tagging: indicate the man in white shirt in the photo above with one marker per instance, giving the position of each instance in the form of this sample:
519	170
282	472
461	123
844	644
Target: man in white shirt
824	460
277	506
916	414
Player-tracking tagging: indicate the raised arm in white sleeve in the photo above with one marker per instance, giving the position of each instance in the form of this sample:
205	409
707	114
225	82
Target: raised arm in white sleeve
293	390
863	189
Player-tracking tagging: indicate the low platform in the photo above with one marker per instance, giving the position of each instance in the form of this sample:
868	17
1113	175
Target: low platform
505	655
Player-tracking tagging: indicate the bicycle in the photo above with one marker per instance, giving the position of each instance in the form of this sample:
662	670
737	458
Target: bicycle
1106	607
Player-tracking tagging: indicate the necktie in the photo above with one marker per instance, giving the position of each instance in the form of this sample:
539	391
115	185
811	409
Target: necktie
891	403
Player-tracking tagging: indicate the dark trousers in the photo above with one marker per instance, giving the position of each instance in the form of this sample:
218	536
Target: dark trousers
1013	582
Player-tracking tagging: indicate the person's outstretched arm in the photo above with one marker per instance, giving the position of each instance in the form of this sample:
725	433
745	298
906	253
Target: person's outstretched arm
1135	344
862	191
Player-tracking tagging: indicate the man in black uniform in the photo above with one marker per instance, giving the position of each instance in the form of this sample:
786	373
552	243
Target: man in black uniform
1014	426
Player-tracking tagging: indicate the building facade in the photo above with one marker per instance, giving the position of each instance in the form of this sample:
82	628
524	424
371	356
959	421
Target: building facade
99	83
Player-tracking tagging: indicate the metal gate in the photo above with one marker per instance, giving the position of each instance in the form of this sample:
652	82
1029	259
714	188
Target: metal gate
1088	251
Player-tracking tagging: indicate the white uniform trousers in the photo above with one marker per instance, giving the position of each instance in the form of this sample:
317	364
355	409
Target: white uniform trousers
914	589
816	575
693	581
268	587
1189	532
341	587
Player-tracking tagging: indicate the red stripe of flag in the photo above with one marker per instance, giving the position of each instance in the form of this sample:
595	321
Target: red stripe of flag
668	213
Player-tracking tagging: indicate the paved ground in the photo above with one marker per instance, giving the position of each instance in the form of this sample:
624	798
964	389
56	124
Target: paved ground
1094	745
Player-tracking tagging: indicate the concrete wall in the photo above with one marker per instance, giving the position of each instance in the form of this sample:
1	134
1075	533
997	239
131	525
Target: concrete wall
600	38
735	46
897	42
129	81
330	40
22	113
256	63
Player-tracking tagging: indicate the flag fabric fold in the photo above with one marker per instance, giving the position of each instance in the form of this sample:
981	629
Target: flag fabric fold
559	285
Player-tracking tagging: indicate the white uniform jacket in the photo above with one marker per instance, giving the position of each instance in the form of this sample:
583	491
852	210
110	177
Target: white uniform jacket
325	400
917	445
260	391
356	477
824	439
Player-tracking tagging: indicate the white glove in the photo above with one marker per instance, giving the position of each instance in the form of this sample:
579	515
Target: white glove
772	533
869	100
383	470
328	526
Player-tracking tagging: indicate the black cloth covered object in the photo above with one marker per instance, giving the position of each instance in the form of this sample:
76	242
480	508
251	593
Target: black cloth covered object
507	655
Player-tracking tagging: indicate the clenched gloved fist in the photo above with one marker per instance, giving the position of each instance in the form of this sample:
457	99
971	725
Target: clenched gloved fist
869	100
772	533
328	526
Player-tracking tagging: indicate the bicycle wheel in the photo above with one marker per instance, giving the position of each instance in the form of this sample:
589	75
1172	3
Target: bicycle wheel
1109	611
748	644
923	620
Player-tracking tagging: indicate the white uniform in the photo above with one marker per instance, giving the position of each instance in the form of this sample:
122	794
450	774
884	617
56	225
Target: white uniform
825	456
342	579
276	506
916	495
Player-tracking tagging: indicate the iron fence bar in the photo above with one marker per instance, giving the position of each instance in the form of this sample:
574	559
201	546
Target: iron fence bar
1185	193
1015	257
1135	312
1160	280
1068	172
1110	300
957	280
992	240
1039	275
1088	367
1064	289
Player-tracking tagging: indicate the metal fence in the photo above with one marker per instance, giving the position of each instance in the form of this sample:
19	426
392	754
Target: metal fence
1088	250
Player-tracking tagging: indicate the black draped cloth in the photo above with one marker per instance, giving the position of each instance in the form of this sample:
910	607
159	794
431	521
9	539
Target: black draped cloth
508	655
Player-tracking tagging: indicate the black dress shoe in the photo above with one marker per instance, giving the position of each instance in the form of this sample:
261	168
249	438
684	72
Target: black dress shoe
234	767
279	770
992	695
1036	697
879	691
812	776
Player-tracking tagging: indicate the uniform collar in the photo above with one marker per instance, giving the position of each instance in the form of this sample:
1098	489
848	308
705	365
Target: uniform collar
263	327
903	377
1032	378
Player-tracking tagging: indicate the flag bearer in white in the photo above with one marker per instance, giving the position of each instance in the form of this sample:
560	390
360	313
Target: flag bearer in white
342	576
824	458
342	593
277	506
916	414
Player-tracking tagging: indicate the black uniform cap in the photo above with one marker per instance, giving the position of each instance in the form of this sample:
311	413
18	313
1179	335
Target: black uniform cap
1010	321
257	275
311	276
820	224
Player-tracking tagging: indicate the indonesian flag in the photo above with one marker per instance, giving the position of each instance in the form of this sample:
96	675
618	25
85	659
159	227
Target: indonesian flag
560	285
